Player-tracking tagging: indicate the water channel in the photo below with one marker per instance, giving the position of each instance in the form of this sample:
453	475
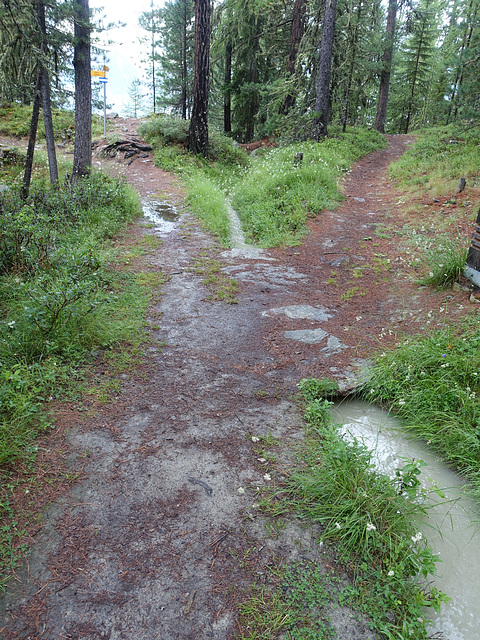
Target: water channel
452	530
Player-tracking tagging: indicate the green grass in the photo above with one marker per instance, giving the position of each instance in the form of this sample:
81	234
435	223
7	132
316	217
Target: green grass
15	121
369	522
445	263
272	194
221	287
438	159
276	196
432	383
295	602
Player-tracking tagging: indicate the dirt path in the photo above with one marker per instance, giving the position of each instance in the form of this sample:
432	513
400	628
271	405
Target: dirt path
156	540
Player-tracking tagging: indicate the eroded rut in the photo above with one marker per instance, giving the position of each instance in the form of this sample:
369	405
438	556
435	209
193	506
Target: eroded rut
156	540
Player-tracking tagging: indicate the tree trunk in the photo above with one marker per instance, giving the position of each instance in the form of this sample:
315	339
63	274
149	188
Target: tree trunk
353	59
298	29
322	103
227	90
82	151
183	97
386	68
32	136
198	130
46	102
414	81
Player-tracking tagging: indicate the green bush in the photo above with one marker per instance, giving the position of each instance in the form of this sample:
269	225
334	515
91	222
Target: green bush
54	285
164	130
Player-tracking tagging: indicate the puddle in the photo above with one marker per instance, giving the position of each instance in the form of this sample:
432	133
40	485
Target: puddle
164	215
459	543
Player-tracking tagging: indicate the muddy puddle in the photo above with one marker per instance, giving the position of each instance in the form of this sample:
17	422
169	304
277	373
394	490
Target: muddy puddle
164	215
453	529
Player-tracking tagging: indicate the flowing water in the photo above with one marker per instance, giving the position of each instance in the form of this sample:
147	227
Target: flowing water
452	528
237	237
163	214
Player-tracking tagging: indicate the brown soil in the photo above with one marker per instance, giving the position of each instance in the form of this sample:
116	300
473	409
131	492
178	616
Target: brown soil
154	540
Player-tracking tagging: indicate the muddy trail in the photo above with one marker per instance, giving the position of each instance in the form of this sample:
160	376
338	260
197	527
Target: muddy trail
161	534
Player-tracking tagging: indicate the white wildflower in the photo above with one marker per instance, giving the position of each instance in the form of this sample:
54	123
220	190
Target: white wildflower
371	527
267	476
241	490
255	439
391	574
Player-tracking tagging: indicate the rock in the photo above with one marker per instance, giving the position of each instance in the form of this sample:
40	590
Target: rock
461	288
298	159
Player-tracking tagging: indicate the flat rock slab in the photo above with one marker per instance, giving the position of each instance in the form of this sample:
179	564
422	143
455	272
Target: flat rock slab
303	312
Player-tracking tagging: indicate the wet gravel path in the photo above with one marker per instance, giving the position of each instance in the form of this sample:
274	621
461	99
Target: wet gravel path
161	534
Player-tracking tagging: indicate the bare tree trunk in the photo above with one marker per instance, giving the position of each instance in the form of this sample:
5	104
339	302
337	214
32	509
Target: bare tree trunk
32	136
227	90
82	151
46	102
381	115
298	29
184	62
198	130
322	103
353	59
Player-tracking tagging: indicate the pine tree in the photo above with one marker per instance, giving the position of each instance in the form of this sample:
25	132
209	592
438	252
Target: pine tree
134	107
413	76
322	102
176	60
82	152
198	130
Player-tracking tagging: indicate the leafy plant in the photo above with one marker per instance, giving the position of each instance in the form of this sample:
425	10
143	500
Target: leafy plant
372	521
445	263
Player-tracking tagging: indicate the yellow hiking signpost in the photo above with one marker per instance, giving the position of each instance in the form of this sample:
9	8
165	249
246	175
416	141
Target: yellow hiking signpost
102	77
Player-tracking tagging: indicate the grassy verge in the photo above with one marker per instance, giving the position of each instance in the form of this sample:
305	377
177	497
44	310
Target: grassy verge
272	193
372	523
275	198
15	121
67	297
438	159
433	383
436	224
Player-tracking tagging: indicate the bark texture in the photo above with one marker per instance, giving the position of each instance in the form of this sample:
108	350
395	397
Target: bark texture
198	131
82	152
32	136
382	104
322	103
298	29
46	102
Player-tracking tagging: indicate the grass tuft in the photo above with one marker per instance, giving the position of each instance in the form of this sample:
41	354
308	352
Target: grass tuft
433	383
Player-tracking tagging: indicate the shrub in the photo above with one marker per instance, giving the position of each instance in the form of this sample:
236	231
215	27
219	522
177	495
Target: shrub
164	130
